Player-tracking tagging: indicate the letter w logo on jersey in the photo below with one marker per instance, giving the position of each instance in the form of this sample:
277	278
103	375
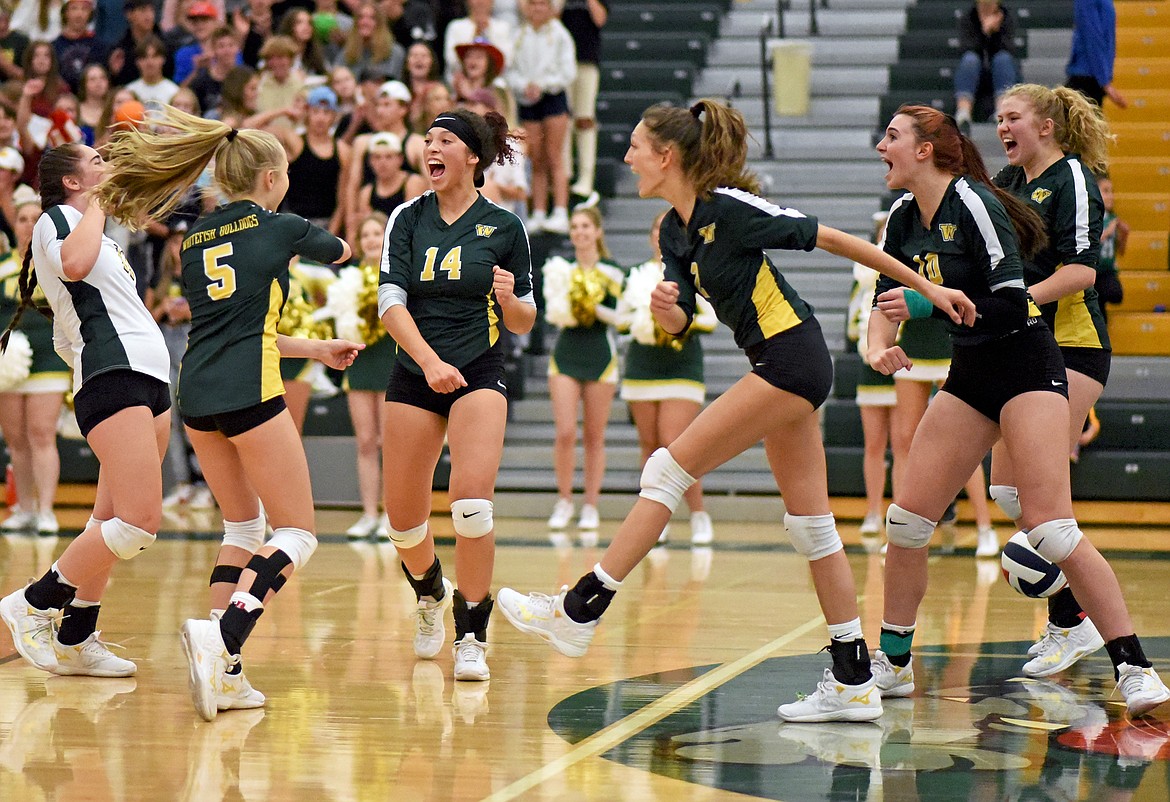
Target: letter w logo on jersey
484	231
708	234
1040	195
948	231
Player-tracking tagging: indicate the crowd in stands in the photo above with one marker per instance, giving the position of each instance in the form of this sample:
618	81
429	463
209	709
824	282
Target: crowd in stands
349	86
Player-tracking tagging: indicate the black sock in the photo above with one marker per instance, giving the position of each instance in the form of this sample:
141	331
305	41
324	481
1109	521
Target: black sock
588	599
850	661
1063	609
431	584
49	592
78	624
1127	649
471	619
235	627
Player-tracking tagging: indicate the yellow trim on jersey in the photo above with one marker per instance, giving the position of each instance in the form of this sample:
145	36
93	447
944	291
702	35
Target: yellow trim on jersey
610	374
773	312
1074	324
271	384
493	322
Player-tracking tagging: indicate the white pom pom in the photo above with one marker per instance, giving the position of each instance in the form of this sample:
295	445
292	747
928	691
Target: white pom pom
15	362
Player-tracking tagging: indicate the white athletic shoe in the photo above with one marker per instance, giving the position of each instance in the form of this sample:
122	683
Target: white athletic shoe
536	221
90	658
429	630
561	515
702	532
365	526
1059	648
893	681
836	701
47	523
207	660
872	525
664	535
32	629
987	543
589	518
19	520
558	221
545	617
471	659
1141	688
234	692
383	529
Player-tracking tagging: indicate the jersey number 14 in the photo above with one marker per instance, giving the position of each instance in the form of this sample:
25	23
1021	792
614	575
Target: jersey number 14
452	263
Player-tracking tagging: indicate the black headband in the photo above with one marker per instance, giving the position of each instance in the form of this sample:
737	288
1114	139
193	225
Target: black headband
462	129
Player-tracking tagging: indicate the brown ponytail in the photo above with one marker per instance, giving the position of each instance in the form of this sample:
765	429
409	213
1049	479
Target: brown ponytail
710	139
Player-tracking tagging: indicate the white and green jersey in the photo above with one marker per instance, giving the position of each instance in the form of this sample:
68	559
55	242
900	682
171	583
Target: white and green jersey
99	322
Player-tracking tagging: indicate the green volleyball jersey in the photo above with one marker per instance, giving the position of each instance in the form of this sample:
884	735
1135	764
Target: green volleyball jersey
235	278
1067	198
446	271
969	246
720	255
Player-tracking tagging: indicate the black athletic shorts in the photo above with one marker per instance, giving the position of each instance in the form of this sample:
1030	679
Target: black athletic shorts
987	376
238	421
485	372
797	361
1091	362
107	394
547	106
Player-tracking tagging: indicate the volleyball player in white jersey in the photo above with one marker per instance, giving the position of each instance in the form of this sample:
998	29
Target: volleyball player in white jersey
120	373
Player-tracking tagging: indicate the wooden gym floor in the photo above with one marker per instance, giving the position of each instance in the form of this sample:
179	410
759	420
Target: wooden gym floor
675	700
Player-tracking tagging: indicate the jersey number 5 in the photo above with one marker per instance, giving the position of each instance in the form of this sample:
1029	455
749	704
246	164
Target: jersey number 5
452	263
929	267
221	276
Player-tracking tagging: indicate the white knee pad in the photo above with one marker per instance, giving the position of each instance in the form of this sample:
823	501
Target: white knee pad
123	539
472	516
1055	540
1008	499
907	529
411	537
663	480
298	544
246	535
814	536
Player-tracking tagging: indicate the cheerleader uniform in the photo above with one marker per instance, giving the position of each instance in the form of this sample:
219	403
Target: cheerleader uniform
588	353
47	373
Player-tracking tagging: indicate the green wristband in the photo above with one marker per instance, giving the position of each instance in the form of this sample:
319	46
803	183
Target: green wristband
917	304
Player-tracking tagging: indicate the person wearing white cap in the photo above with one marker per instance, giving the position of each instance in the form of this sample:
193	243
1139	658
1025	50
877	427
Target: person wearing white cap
391	107
391	186
11	168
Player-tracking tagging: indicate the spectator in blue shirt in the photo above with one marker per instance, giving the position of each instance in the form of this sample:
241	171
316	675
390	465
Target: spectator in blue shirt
1094	46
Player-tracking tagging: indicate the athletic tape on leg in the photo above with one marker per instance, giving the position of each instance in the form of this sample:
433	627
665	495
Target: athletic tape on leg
123	539
472	517
664	480
814	536
1055	540
1007	498
907	529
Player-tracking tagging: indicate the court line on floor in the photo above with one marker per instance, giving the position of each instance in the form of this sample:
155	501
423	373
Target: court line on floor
625	728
